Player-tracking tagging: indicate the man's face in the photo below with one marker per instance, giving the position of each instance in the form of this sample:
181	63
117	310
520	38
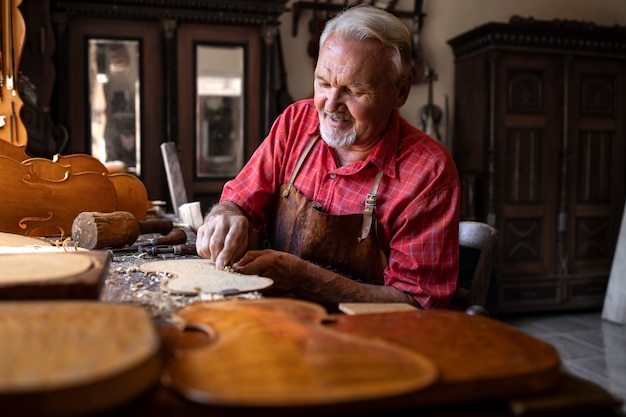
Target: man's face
354	95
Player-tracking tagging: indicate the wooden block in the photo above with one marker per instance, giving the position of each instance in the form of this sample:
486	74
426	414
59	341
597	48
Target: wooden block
367	308
191	214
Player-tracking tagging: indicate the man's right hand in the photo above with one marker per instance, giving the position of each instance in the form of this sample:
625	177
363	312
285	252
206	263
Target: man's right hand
223	237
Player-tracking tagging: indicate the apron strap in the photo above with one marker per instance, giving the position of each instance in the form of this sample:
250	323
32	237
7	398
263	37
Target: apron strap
303	156
370	204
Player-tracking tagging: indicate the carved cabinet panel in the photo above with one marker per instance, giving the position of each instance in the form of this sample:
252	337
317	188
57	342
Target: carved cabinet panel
540	118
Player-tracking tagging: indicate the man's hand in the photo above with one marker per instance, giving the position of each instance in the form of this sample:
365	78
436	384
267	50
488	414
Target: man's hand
283	268
223	237
295	276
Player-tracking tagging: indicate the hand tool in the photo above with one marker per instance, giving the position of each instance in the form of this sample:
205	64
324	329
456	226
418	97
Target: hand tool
97	230
175	237
188	249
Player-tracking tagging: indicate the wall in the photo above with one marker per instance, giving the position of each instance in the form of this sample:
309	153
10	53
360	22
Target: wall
444	20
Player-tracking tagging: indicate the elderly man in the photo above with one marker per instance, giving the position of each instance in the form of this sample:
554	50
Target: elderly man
359	205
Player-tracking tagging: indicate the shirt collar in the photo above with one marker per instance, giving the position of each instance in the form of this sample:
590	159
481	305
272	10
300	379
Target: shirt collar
384	154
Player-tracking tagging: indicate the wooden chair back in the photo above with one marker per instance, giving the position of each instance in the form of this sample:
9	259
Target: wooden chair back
477	250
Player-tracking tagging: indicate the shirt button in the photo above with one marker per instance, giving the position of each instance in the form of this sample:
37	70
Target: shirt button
333	176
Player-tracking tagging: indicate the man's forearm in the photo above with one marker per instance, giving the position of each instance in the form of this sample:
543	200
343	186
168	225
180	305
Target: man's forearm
320	284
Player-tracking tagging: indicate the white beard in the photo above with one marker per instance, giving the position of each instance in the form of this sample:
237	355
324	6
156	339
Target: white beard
333	138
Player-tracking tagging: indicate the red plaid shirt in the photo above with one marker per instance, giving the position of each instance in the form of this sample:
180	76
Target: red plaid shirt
417	209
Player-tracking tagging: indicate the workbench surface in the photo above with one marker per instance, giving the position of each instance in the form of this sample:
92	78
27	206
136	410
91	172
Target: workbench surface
126	283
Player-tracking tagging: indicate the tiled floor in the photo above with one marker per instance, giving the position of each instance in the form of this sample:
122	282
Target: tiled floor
590	348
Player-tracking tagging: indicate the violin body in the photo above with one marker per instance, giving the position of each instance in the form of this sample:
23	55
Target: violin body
277	353
33	205
42	197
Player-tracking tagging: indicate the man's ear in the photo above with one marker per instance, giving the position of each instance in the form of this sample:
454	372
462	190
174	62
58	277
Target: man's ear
404	90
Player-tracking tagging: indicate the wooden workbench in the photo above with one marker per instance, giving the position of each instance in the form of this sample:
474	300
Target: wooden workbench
471	384
464	365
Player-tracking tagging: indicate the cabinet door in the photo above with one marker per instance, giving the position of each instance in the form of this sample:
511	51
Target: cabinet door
87	39
219	97
527	148
596	163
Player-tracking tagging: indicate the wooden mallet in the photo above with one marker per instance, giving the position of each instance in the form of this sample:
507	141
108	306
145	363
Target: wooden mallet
97	230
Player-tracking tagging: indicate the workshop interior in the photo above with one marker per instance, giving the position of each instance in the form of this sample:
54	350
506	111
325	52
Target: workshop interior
122	120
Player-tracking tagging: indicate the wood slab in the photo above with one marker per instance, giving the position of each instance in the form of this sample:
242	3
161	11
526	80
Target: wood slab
479	358
64	358
277	353
41	275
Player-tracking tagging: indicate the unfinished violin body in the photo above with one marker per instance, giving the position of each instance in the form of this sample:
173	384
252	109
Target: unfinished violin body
33	205
42	197
287	353
277	353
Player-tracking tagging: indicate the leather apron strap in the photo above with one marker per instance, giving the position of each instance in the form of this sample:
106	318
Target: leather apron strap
370	205
296	169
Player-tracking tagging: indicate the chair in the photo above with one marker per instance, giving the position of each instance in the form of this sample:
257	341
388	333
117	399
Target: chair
477	250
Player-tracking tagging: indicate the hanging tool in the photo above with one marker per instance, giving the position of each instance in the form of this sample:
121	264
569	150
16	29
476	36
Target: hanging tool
431	114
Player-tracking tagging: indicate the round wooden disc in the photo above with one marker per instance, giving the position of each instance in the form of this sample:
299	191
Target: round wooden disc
13	240
22	267
74	357
193	276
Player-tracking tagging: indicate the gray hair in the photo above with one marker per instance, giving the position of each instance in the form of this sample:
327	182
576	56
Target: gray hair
363	22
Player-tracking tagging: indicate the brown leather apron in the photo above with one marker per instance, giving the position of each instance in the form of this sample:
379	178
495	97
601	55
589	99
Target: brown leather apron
346	244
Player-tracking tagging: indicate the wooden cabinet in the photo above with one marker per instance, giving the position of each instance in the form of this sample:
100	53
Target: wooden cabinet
539	134
165	36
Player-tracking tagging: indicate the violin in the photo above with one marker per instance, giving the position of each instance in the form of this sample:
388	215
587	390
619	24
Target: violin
42	197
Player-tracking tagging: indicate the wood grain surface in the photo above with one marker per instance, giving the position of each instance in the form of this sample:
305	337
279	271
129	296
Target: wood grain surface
276	353
290	354
479	358
40	275
194	276
61	358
